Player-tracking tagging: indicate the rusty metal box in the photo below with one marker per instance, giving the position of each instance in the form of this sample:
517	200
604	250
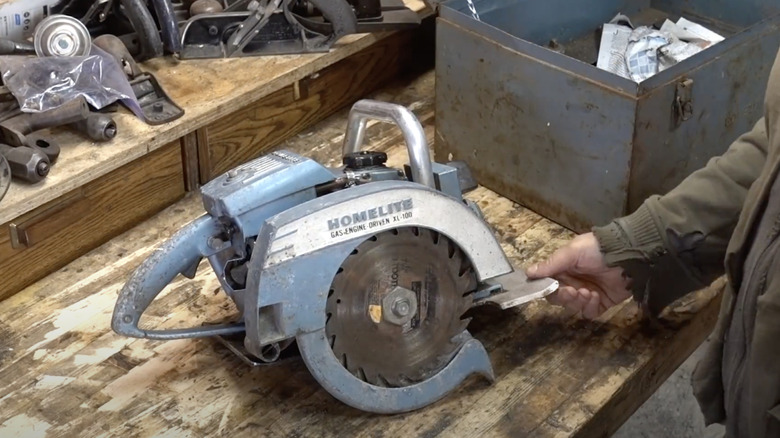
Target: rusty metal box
540	124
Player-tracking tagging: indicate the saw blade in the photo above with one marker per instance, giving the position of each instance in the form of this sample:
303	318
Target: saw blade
386	353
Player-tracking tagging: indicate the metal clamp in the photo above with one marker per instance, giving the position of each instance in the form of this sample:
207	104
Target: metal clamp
414	135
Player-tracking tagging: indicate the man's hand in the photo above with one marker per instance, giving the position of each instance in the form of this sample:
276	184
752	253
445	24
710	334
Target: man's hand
587	284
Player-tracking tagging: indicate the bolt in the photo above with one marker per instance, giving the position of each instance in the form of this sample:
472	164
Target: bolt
232	174
42	168
213	31
158	107
110	131
401	307
216	243
127	319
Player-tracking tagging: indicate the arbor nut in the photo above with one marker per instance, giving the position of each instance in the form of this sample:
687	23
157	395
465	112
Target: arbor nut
399	306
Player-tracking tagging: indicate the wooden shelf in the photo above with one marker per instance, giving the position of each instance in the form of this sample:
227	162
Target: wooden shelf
208	90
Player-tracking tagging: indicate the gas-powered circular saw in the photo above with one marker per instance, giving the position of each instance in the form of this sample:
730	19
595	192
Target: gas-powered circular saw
369	269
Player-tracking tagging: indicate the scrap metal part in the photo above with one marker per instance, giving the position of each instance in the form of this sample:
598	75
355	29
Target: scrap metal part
27	164
15	131
98	127
30	155
156	106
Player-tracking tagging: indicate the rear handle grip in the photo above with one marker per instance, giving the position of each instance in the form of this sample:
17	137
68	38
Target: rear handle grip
176	256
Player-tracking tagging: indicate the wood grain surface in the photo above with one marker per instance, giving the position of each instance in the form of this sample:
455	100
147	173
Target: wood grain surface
88	216
63	372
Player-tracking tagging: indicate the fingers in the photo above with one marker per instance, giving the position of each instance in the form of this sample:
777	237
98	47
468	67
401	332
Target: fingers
564	296
592	309
581	300
582	255
561	261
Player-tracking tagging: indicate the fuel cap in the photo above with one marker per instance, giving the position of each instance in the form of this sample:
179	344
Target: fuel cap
364	159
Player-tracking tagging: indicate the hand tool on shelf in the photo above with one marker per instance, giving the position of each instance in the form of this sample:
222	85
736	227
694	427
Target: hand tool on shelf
16	131
29	154
156	106
98	127
369	269
233	28
131	20
26	163
273	27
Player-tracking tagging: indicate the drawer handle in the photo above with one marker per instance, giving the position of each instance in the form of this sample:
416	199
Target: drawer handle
39	224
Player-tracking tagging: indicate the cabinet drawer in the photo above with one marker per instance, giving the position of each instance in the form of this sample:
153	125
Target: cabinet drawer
249	132
49	237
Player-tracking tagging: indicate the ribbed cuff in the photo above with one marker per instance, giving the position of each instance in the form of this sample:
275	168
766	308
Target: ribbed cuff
634	237
635	244
641	228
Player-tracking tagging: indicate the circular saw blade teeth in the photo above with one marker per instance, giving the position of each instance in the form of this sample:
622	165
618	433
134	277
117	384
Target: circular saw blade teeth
388	355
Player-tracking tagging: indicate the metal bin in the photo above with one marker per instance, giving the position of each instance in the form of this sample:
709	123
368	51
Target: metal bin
577	144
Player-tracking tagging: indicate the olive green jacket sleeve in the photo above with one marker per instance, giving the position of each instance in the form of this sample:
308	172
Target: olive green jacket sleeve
676	243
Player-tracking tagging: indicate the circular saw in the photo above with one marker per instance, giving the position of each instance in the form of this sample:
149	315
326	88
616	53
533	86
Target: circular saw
369	269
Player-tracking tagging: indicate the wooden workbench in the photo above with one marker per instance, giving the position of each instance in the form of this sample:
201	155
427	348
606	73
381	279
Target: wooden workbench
63	372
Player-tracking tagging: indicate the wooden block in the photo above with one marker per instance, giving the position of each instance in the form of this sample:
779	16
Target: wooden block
189	156
49	237
248	133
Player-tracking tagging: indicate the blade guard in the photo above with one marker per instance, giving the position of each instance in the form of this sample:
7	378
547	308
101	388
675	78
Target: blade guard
301	249
472	358
179	255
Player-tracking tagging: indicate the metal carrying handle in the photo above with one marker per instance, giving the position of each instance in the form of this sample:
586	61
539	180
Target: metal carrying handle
180	254
414	135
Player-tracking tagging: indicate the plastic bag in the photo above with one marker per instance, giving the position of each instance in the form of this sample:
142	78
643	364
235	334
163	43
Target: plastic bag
42	84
